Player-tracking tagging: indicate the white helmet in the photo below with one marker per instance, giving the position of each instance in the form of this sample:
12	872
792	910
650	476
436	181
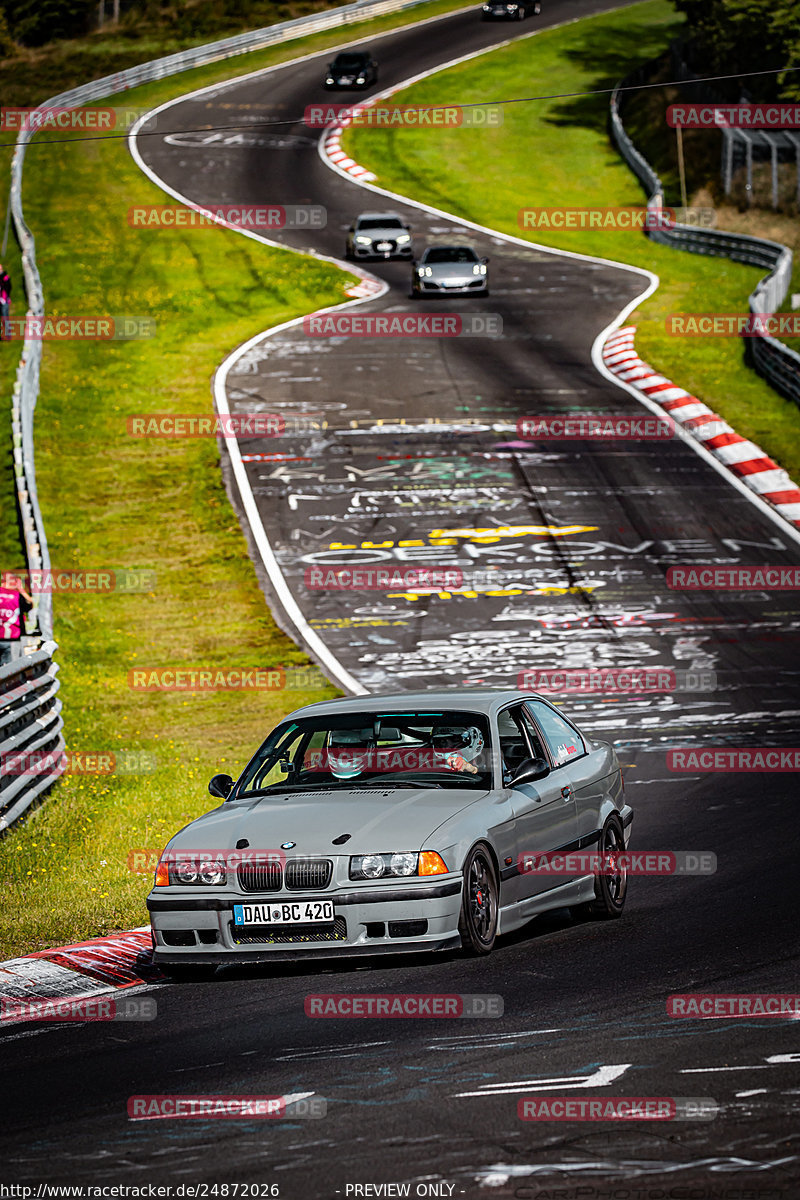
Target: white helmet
348	752
467	742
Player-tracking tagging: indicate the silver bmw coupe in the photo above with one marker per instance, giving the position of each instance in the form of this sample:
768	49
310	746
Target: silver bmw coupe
384	824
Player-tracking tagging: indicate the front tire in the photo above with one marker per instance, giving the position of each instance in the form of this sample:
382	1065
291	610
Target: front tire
479	906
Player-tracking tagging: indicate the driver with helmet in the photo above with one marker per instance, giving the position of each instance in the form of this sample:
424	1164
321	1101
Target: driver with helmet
458	748
348	752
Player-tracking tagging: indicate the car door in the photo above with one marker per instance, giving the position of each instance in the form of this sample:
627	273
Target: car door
568	749
544	811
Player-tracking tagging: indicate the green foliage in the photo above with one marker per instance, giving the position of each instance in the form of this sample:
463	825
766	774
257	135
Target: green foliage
35	22
734	37
7	45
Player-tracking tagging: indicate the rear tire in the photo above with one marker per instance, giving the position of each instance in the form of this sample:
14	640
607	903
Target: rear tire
479	905
609	890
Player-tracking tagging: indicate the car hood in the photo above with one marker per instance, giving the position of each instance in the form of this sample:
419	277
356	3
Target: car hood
452	272
377	821
381	234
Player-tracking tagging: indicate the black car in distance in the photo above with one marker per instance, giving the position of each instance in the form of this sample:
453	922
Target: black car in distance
352	69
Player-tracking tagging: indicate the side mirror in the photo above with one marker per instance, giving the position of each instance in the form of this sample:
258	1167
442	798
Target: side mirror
220	786
485	260
351	228
530	770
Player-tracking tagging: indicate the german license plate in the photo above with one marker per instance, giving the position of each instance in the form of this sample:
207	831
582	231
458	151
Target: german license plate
279	912
384	245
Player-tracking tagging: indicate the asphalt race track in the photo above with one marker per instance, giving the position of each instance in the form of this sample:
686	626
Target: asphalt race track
415	460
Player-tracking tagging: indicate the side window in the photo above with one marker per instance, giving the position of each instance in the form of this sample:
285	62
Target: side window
518	738
563	739
533	735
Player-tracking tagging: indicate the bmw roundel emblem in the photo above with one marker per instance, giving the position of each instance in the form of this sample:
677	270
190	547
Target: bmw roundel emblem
288	845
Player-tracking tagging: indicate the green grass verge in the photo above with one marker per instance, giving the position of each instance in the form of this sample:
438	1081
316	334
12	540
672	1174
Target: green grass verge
556	153
110	500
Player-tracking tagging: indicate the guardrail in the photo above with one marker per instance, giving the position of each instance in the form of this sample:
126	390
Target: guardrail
30	723
779	365
16	796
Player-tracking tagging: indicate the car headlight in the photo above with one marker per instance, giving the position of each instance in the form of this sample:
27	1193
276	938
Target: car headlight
361	79
380	866
330	79
424	270
208	872
402	238
479	269
363	241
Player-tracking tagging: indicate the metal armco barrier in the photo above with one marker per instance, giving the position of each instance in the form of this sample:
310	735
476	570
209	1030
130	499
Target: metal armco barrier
779	365
30	721
39	713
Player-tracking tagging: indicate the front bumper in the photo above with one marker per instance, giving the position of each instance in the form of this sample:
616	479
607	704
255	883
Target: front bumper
404	252
198	929
428	287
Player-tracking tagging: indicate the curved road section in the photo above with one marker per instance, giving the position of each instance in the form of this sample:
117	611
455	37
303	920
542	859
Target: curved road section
411	456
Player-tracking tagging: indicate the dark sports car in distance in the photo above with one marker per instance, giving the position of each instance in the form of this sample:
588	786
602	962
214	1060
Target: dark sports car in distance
352	69
379	235
456	270
386	824
495	10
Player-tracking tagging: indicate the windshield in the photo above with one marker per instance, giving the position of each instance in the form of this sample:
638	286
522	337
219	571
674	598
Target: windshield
373	749
381	223
451	254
